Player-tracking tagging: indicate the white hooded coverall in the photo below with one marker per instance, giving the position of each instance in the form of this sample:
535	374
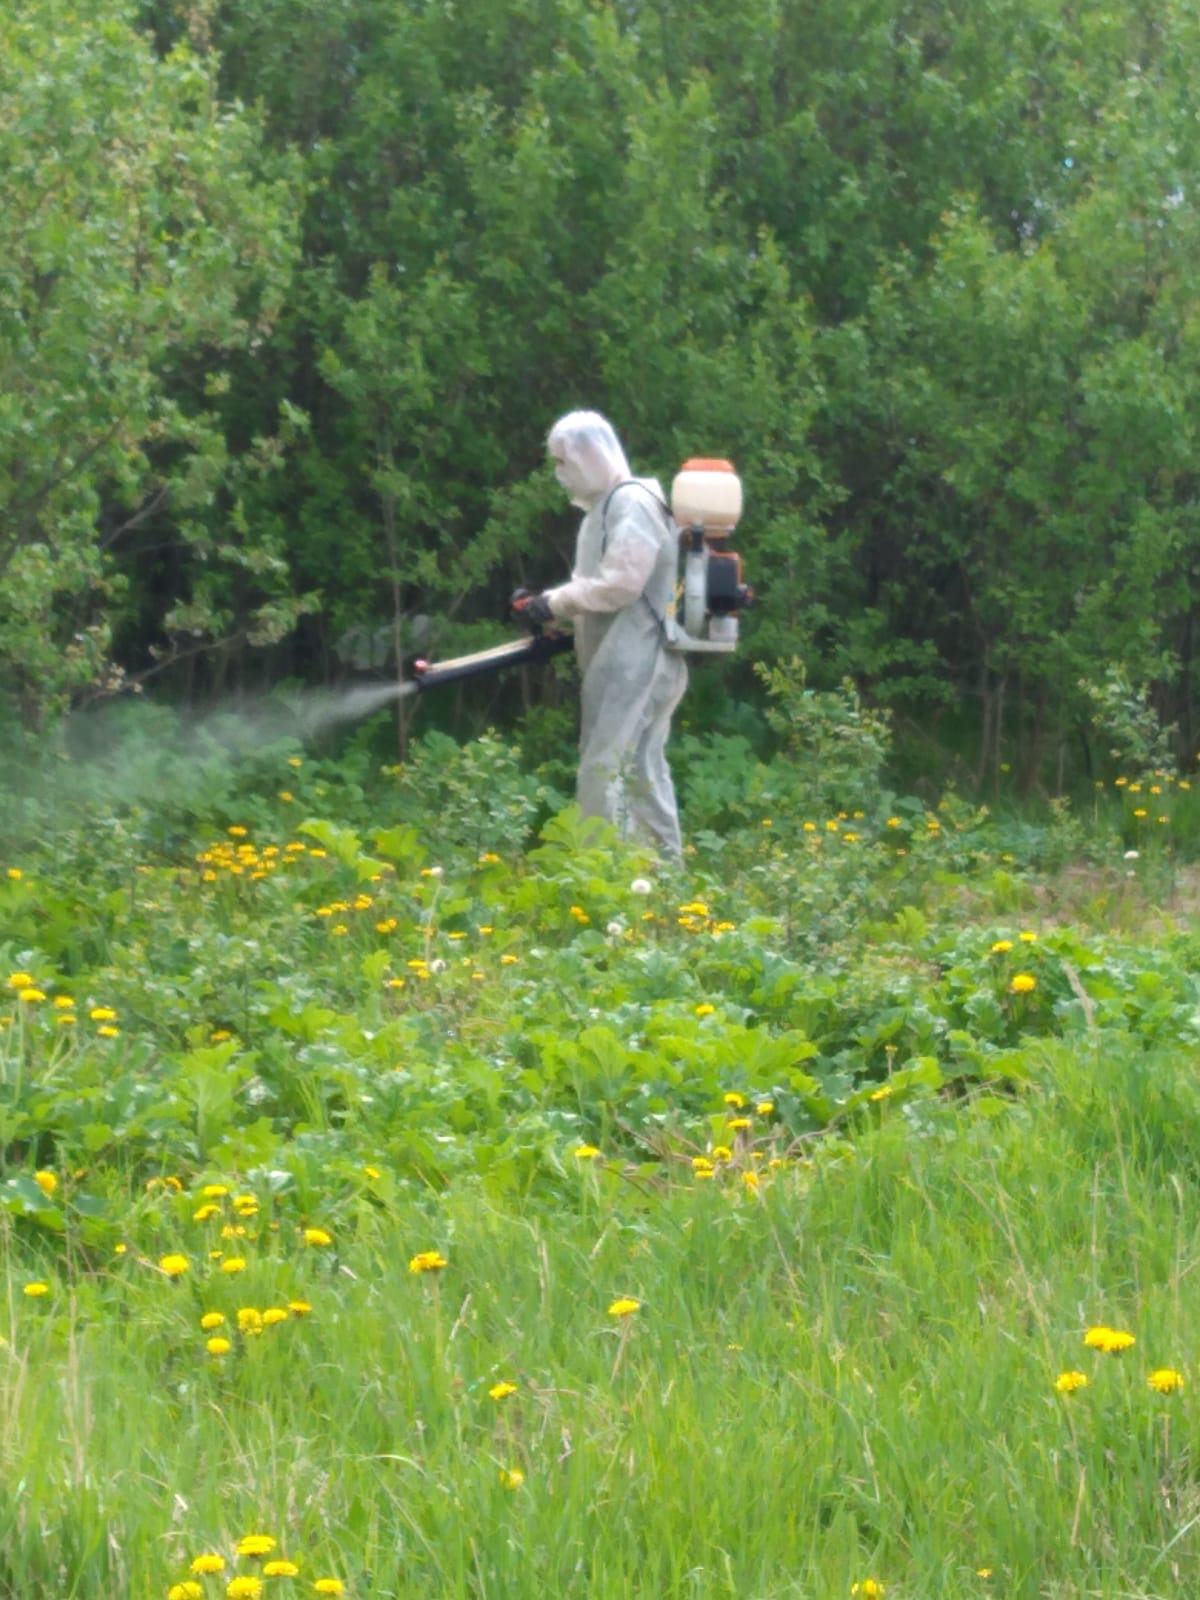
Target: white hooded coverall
622	585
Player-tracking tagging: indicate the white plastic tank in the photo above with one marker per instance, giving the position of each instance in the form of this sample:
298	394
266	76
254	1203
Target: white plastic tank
707	494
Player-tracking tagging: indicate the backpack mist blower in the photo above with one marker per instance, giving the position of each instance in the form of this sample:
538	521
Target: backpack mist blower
706	506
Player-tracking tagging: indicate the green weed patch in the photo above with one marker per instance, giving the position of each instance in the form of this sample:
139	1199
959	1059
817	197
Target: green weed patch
476	1208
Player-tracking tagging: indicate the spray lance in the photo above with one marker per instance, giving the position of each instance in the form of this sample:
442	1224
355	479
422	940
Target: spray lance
706	506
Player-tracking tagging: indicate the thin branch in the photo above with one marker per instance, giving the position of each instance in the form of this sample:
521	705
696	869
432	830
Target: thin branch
155	502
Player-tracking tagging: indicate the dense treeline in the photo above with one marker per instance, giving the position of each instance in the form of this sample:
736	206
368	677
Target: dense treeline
289	294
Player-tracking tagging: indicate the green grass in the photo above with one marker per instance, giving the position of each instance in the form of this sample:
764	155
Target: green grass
842	1368
846	1374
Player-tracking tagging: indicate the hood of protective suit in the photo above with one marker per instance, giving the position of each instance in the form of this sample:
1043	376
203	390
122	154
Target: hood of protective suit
588	458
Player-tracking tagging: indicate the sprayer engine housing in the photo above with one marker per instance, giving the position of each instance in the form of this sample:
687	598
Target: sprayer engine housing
706	502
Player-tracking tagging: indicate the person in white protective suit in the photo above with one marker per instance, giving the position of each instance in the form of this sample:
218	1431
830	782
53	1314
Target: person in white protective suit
618	597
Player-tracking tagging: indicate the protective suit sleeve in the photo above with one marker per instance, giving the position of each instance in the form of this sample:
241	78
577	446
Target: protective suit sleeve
635	531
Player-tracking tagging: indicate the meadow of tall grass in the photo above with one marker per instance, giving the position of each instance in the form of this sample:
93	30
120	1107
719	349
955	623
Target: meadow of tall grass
408	1188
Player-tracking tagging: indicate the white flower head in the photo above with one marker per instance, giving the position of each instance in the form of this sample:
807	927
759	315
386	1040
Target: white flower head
641	886
437	965
1131	855
615	929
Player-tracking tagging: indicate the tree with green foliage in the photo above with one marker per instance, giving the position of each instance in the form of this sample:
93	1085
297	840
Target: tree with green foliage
145	235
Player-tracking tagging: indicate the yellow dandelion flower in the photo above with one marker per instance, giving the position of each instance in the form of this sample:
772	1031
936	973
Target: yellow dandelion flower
187	1590
329	1586
211	1320
243	1588
1023	983
1165	1380
764	1108
274	1315
1002	947
214	1191
280	1569
705	1010
624	1307
317	1236
511	1477
249	1319
737	1124
734	1099
102	1014
218	1346
750	1180
1111	1341
47	1182
174	1265
586	1152
256	1544
299	1308
205	1213
869	1588
500	1391
1068	1382
208	1563
31	997
36	1290
233	1264
722	1152
427	1261
1027	937
15	874
64	1002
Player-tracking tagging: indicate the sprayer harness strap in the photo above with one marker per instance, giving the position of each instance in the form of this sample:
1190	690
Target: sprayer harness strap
633	483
